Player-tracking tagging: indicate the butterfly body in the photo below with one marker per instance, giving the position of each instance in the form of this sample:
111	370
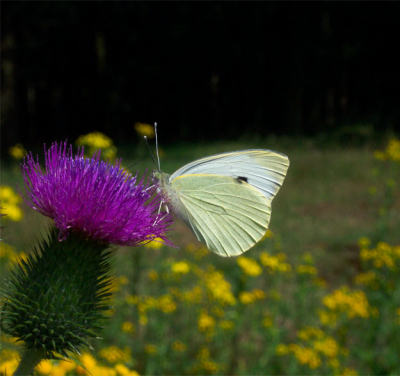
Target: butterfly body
226	198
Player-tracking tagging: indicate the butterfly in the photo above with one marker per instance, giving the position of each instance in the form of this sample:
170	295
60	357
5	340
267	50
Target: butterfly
225	199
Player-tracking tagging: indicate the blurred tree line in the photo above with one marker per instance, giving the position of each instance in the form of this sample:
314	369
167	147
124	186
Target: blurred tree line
203	71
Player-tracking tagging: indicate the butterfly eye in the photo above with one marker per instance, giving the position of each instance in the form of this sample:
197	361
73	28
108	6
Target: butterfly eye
241	179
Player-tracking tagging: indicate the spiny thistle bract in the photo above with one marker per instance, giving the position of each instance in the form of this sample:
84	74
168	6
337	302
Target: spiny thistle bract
56	296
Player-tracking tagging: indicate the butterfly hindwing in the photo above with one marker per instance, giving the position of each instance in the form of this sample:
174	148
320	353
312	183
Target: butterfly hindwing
227	214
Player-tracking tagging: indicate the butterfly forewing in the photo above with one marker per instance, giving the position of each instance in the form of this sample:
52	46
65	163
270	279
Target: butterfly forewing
263	169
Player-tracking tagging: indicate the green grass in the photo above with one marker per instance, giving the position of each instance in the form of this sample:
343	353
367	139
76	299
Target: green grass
323	208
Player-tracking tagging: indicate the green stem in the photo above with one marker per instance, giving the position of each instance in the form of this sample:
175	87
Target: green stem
30	359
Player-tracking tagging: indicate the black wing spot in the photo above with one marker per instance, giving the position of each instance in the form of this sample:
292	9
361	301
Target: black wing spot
240	179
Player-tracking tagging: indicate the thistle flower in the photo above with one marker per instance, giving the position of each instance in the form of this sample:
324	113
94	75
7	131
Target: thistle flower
56	298
95	199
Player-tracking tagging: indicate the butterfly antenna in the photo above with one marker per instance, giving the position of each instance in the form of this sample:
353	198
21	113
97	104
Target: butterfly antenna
158	157
151	153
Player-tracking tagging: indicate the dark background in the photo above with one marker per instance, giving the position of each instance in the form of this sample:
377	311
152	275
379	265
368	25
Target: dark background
212	70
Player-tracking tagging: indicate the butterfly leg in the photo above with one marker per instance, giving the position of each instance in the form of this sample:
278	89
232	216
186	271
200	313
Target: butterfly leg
162	202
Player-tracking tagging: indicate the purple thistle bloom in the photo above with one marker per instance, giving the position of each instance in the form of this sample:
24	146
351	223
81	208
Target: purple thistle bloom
94	198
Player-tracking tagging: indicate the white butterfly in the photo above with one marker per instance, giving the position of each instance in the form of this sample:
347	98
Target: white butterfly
226	198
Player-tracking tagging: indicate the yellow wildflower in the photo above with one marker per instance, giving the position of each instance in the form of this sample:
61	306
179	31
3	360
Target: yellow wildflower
124	371
249	266
383	255
13	213
271	262
128	327
327	346
307	269
144	129
114	354
95	141
268	235
309	332
206	322
57	371
367	279
354	303
219	288
246	297
178	346
166	304
282	349
45	367
210	366
9	202
259	294
275	263
327	318
155	244
193	296
17	151
8	195
306	355
393	149
226	324
88	361
364	243
181	267
66	365
9	366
